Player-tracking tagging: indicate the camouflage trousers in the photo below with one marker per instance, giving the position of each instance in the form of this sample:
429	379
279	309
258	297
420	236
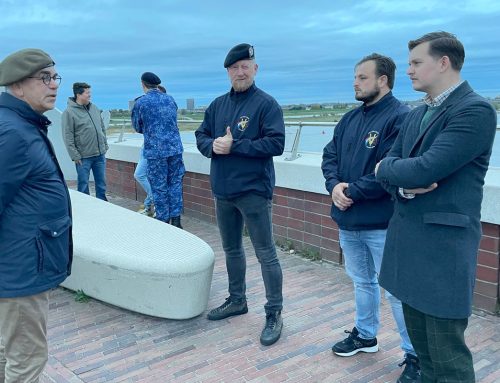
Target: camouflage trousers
165	176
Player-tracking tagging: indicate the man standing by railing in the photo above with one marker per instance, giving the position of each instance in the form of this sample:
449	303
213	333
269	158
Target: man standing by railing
241	132
155	116
361	207
85	139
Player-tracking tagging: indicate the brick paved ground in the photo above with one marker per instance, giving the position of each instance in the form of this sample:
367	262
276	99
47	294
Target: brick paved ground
96	342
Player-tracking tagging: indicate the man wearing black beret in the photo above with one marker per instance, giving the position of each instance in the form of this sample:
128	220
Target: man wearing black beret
155	116
241	132
35	214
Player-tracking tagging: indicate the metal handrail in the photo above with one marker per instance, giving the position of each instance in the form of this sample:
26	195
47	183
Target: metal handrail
294	154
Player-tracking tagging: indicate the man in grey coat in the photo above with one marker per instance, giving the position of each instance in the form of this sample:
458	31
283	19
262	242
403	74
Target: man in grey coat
85	139
435	172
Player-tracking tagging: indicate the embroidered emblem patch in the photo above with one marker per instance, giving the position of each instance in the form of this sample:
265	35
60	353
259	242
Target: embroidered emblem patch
243	123
371	139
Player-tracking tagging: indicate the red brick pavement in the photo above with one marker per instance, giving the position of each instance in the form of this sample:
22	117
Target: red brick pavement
96	342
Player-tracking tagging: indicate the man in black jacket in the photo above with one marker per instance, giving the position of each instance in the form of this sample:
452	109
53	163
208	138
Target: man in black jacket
361	207
241	132
35	214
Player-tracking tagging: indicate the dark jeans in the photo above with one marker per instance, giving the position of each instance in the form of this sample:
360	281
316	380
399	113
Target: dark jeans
98	166
255	212
440	347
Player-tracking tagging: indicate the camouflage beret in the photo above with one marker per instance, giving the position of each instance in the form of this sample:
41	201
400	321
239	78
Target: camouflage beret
22	64
239	52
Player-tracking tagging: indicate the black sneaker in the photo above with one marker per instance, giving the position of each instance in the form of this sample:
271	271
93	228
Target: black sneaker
272	330
227	309
354	344
411	373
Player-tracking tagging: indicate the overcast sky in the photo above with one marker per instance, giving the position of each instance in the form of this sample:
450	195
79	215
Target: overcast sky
306	50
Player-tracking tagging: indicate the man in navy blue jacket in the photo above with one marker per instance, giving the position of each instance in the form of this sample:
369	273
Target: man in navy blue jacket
35	214
241	132
361	207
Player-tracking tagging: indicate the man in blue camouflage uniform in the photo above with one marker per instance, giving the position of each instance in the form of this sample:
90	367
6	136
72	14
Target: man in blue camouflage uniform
241	132
155	116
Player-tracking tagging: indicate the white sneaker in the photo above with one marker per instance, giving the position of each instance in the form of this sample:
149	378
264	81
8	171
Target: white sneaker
147	211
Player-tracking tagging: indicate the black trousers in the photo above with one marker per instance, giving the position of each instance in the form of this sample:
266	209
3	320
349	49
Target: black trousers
440	347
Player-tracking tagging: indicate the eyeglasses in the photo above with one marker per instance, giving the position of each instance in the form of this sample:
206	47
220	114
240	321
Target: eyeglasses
47	77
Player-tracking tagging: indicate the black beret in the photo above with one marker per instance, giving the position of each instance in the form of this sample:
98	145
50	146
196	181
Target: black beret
150	78
22	64
239	52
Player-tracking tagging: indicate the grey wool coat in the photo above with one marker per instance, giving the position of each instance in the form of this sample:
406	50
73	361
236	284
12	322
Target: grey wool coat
432	240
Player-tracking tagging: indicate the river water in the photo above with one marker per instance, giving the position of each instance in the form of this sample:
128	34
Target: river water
314	138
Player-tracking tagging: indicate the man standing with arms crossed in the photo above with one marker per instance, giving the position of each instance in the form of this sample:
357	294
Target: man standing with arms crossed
241	132
435	172
35	214
361	207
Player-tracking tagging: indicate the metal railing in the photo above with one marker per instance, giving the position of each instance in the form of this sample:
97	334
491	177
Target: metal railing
296	141
124	123
294	154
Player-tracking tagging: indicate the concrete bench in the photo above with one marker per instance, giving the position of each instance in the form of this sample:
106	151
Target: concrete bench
136	262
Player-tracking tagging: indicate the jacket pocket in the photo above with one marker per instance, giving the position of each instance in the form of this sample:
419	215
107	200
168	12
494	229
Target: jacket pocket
448	219
53	245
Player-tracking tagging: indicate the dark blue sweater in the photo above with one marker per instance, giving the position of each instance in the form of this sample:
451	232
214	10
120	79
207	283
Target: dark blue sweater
360	140
258	129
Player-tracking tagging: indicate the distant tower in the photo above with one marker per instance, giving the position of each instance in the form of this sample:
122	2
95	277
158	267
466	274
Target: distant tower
131	105
190	104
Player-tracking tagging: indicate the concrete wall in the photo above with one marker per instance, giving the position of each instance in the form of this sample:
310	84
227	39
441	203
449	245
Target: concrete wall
56	137
301	208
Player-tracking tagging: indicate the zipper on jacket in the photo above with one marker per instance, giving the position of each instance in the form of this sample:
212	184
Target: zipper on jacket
95	128
40	253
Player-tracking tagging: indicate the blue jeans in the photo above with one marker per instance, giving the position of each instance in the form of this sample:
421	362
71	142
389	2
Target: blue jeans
141	176
255	212
363	251
98	166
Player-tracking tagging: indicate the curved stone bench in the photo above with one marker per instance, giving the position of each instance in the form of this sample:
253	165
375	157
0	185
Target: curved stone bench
136	262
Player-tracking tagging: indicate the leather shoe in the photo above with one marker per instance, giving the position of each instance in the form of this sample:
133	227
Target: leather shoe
227	309
176	221
272	330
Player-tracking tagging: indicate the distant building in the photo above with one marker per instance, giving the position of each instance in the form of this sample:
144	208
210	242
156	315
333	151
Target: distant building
190	104
131	104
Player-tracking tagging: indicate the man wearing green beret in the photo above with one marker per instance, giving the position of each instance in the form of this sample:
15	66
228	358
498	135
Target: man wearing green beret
35	214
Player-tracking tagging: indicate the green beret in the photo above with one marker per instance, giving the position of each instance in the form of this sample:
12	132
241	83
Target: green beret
22	64
237	53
